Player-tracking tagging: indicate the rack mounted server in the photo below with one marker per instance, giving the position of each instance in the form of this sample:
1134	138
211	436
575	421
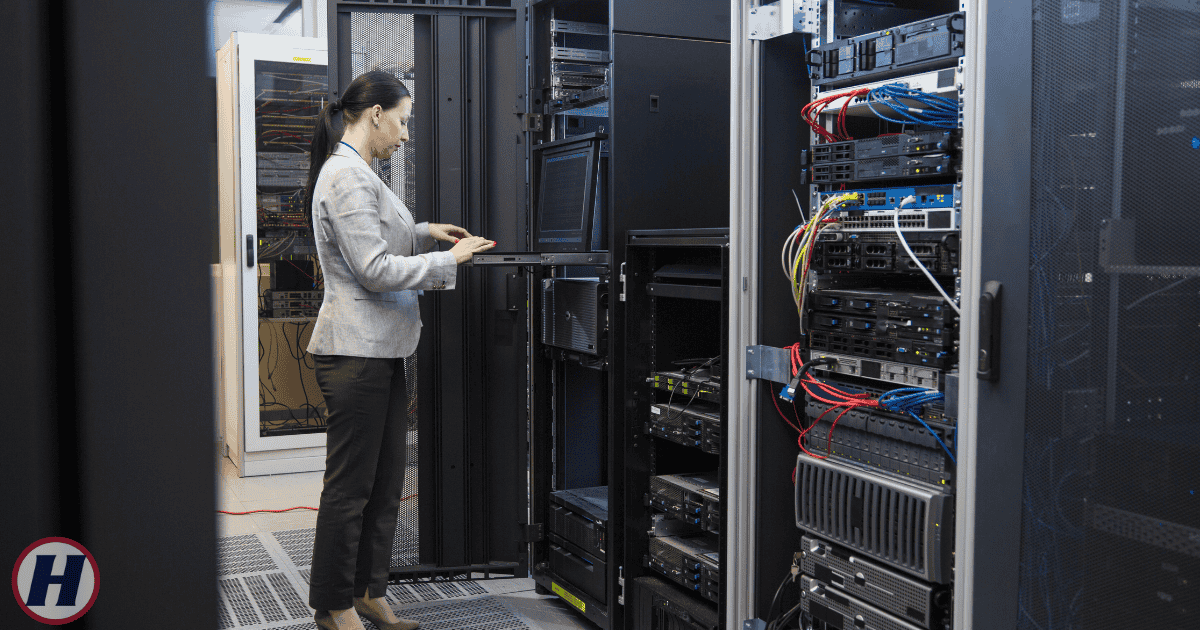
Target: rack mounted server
920	46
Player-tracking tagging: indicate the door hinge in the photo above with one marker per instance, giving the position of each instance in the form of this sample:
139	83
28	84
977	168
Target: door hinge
622	277
621	583
533	532
531	122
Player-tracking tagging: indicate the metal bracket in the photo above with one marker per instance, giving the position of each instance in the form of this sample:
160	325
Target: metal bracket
767	363
533	532
785	17
531	122
622	277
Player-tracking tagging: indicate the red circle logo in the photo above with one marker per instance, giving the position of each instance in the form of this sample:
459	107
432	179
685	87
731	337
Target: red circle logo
56	580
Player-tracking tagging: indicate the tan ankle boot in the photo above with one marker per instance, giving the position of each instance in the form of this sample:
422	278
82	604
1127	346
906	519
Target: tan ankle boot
376	610
338	620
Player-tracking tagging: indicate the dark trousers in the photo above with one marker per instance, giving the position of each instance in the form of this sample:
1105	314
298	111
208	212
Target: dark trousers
364	478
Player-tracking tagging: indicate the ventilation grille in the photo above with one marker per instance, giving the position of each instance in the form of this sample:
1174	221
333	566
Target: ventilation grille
572	309
667	554
243	554
896	523
663	489
890	141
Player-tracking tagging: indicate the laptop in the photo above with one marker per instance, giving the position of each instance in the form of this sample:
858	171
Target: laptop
566	222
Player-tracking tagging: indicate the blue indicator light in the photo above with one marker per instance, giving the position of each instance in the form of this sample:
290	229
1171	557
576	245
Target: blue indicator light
1195	142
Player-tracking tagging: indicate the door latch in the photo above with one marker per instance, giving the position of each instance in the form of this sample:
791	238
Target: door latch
989	332
622	277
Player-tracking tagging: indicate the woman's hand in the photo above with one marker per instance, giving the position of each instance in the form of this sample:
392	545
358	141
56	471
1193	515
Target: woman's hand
447	232
465	248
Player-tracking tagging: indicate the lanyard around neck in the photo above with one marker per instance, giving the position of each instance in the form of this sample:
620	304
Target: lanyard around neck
352	149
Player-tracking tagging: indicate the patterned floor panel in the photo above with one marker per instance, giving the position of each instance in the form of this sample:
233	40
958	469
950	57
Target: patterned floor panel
263	585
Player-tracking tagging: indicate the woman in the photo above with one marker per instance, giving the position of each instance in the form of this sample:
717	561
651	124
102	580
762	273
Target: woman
374	258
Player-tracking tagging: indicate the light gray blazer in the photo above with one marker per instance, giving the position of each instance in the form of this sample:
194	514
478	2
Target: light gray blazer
374	258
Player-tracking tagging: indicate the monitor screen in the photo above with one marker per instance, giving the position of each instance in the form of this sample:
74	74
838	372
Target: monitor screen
567	193
566	178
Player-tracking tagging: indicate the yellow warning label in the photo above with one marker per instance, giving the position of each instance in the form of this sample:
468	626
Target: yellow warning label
562	592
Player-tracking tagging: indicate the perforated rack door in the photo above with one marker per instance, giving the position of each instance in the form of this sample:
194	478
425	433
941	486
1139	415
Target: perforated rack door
386	41
1110	532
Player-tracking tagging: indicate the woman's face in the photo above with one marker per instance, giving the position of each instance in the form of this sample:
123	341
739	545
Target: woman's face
393	129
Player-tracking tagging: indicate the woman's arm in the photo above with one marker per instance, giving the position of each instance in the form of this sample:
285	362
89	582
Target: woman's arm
352	208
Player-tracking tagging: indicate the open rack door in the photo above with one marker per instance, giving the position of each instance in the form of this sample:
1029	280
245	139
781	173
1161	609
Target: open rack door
464	165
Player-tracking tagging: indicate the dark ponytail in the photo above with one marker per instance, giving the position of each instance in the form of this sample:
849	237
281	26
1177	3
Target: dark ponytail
373	88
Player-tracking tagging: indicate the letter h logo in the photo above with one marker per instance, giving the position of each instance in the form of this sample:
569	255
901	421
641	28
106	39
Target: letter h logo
68	580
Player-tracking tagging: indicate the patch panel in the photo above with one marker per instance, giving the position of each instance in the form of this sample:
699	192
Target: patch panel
930	413
907	143
830	608
927	605
294	313
899	374
885	445
919	46
883	221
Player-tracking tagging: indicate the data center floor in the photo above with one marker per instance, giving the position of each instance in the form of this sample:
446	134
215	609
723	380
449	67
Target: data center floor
263	565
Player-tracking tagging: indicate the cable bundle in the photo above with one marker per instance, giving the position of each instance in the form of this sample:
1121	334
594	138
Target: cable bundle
812	113
838	399
936	111
910	400
798	249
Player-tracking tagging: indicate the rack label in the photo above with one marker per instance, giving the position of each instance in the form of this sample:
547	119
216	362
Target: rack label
562	592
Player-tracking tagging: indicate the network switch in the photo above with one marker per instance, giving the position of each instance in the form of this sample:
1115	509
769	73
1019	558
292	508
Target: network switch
899	374
694	499
692	561
832	609
924	198
919	46
905	525
697	424
702	385
927	605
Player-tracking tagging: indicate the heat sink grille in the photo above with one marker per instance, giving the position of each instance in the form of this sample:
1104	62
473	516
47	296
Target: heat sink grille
885	519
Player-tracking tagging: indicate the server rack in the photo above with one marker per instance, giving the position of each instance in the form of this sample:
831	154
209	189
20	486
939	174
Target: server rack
1073	452
492	81
870	305
269	91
